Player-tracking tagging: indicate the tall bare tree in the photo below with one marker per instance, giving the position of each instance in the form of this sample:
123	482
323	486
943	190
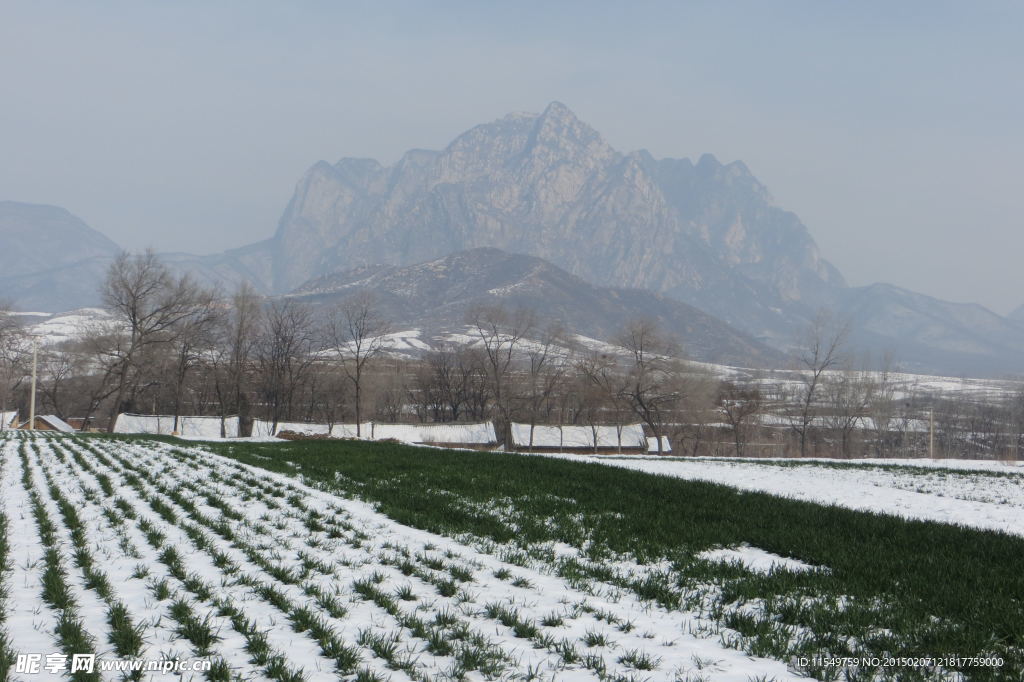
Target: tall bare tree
286	352
740	406
235	337
818	352
358	334
13	347
192	342
501	332
654	380
548	358
847	394
149	302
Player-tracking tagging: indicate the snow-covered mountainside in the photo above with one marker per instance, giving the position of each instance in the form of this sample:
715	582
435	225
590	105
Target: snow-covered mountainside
437	295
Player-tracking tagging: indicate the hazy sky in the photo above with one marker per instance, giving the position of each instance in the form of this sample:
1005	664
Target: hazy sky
895	130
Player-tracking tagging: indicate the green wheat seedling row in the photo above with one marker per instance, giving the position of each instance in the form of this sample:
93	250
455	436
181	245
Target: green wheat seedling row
447	587
304	615
470	655
126	637
303	618
909	588
203	594
8	656
71	632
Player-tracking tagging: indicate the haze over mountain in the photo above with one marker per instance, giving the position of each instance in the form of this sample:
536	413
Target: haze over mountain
436	296
49	259
548	185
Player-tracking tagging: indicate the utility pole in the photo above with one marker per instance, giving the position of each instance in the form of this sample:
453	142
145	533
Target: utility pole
32	400
931	433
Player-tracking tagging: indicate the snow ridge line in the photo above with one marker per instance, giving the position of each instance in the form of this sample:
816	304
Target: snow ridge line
57	591
101	529
123	634
7	653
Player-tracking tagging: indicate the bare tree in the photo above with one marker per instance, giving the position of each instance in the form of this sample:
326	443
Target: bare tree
149	302
547	360
12	357
358	334
653	385
818	353
740	406
500	333
880	407
286	352
235	337
192	342
847	394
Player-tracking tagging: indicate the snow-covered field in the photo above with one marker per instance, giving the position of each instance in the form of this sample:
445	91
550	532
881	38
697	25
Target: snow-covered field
206	558
979	494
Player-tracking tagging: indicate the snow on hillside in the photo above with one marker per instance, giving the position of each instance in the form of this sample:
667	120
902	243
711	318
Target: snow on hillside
69	326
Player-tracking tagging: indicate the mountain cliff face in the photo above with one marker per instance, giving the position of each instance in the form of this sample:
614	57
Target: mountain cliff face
436	296
548	185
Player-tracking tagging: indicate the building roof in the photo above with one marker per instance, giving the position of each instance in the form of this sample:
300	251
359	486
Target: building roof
53	421
8	419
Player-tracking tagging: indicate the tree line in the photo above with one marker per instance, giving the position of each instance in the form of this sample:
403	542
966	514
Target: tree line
171	346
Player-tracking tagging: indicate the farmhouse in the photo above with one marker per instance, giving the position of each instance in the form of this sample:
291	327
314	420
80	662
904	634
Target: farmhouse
8	420
190	427
48	422
575	438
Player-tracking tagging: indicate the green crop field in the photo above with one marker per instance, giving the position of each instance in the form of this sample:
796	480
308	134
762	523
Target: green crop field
887	586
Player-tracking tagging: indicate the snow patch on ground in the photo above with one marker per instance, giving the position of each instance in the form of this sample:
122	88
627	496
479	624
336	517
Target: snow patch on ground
756	559
985	495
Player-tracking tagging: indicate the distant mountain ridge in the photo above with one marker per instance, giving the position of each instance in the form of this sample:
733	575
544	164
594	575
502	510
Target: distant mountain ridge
705	233
48	254
436	296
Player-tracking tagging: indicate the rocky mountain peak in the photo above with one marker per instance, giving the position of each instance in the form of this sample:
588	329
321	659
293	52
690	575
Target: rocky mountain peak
549	185
559	129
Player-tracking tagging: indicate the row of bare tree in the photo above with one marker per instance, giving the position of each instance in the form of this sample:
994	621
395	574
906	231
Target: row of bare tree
171	346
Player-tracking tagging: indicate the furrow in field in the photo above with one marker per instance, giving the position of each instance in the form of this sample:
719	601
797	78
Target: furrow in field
294	603
603	632
73	607
7	653
202	599
125	569
31	622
